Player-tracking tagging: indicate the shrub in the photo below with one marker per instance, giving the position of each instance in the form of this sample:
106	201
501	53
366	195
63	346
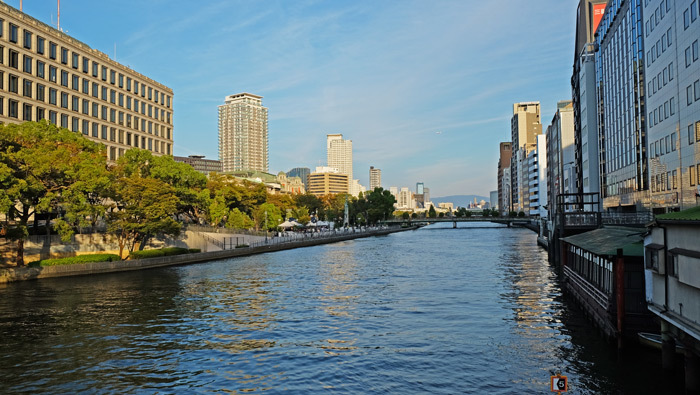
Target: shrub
194	250
71	260
168	251
242	246
512	214
521	214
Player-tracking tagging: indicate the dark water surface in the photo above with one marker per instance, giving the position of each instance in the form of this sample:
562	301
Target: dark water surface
430	311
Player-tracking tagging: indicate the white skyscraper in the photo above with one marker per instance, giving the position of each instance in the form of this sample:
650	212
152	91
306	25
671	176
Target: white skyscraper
375	178
340	154
243	141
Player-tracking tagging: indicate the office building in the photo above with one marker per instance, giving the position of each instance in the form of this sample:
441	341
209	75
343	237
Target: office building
339	154
504	160
327	181
243	140
583	90
561	173
375	178
622	128
405	199
493	199
302	173
537	178
505	201
204	166
47	74
672	70
525	126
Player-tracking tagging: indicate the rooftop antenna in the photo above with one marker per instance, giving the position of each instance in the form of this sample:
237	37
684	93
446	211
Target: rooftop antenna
20	5
58	23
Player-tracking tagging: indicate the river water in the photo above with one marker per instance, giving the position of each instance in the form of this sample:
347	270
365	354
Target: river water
437	310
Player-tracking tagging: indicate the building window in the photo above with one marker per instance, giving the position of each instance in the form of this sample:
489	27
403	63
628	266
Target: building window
14	59
76	83
128	84
39	113
27	91
686	19
52	55
75	127
86	86
672	264
76	103
27	39
104	113
13	35
52	96
691	134
40	43
64	100
64	78
12	108
76	60
40	92
64	59
104	132
104	93
13	82
689	94
86	65
94	69
28	64
104	73
95	89
95	129
40	66
53	116
95	110
86	106
121	80
27	112
52	73
64	121
112	77
86	127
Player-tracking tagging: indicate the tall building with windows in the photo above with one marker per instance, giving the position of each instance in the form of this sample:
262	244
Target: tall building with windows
583	93
672	69
204	166
561	173
243	141
375	178
339	153
327	181
506	151
47	74
525	125
622	129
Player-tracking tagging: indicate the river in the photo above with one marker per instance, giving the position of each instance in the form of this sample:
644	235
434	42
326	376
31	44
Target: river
438	310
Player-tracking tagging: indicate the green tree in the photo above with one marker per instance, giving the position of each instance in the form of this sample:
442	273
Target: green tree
495	213
486	213
521	214
302	215
144	207
380	205
414	215
311	202
441	215
274	216
44	168
405	215
239	220
431	212
218	210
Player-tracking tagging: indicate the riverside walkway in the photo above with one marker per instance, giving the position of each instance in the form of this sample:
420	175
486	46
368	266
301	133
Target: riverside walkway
272	244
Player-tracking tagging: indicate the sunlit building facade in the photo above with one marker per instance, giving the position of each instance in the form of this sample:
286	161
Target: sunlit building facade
47	74
243	139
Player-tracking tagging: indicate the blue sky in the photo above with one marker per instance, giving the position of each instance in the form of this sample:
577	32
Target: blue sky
388	75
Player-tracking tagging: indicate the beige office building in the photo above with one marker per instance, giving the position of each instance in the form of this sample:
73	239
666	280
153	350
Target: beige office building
375	178
339	153
243	142
525	126
327	181
47	74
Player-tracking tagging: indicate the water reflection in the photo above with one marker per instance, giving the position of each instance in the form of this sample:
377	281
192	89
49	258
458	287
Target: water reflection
433	311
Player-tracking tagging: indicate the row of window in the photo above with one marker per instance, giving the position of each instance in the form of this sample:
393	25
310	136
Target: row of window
690	14
656	16
98	70
662	113
40	95
665	181
660	80
693	132
73	123
662	146
691	53
694	175
660	47
74	81
692	92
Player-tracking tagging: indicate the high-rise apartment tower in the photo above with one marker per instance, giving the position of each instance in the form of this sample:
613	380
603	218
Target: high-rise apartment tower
243	142
339	154
375	178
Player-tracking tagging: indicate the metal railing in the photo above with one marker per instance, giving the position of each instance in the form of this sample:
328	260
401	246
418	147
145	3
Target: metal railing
290	237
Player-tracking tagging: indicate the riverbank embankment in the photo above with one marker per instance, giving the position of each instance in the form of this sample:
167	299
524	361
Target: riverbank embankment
12	274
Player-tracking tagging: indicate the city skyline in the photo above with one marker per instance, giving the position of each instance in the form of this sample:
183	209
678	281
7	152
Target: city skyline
310	62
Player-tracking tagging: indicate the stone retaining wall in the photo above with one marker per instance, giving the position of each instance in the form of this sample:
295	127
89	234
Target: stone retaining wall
31	273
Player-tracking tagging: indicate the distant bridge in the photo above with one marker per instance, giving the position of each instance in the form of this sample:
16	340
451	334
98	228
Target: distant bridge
498	220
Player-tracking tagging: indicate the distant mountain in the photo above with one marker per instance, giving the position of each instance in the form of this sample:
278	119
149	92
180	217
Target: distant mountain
459	200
